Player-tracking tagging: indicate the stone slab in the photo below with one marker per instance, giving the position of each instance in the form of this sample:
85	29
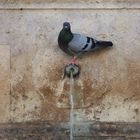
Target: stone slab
56	131
4	83
69	4
108	85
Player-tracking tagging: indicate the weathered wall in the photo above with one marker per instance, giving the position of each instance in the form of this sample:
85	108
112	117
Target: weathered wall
4	83
31	65
64	4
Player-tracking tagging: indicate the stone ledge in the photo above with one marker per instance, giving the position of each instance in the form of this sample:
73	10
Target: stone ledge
79	4
82	131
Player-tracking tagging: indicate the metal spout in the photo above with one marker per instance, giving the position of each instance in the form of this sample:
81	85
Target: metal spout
72	69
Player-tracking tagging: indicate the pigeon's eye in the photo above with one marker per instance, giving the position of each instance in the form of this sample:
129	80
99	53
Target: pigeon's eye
66	27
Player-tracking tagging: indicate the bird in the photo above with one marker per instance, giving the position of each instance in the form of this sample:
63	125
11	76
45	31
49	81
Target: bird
75	44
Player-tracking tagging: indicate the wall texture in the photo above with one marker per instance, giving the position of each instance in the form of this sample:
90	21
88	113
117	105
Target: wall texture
31	64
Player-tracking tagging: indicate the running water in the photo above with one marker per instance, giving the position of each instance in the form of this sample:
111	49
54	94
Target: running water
71	105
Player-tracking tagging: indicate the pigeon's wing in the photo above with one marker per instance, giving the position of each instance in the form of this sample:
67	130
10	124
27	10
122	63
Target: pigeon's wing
66	50
80	43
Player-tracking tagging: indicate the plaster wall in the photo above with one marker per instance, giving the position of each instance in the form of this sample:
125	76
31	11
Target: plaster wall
31	63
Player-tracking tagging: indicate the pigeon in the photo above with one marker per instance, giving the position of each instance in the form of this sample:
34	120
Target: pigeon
76	44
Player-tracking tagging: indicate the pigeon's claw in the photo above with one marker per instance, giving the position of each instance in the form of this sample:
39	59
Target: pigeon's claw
73	61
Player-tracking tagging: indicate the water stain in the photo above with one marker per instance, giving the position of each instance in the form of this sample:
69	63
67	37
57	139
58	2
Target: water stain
94	95
49	108
50	111
134	79
22	87
47	91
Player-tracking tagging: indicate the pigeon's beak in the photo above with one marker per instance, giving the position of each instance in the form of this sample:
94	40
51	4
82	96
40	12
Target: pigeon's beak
66	27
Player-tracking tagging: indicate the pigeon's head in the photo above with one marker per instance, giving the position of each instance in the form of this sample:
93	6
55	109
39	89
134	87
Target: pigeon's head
66	26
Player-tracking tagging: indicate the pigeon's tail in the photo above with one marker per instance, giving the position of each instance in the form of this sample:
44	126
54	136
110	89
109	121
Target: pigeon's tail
104	43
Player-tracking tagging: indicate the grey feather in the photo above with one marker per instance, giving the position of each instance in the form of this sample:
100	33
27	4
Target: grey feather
79	43
75	44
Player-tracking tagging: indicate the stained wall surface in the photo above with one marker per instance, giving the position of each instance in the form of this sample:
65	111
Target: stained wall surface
31	63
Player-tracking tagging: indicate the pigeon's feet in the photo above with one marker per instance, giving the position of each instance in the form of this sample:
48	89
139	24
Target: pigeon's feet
73	61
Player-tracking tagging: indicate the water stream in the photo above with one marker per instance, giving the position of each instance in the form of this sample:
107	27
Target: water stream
71	105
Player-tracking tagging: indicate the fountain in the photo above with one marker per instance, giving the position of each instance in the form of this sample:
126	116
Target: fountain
72	71
71	105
